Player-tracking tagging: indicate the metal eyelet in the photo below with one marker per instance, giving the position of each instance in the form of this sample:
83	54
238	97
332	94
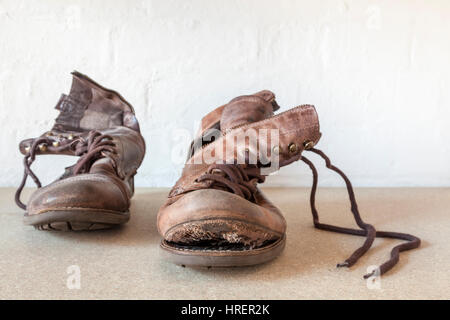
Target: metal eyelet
293	147
308	145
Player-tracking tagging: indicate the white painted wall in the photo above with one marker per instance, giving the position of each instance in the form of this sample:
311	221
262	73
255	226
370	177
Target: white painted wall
377	71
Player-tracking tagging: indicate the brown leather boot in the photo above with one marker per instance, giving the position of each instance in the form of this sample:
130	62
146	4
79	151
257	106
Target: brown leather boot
99	126
216	215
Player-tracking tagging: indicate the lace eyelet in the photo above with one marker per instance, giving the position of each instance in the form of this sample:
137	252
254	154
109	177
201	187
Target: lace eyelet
308	144
43	147
293	147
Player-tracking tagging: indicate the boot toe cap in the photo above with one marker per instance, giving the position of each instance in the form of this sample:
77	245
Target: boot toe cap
220	217
88	191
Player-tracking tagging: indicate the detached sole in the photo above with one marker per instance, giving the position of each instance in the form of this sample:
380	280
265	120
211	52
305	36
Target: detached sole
76	220
221	258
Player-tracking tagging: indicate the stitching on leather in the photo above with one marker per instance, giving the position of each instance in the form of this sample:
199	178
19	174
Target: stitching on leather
303	106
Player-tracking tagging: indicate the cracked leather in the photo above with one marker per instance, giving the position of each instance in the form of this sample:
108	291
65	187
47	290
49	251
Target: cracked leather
191	205
108	184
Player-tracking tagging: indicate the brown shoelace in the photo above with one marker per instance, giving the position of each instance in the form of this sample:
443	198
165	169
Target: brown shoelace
240	179
367	231
89	150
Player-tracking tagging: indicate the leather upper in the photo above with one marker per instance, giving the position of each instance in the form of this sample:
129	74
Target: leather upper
97	123
194	200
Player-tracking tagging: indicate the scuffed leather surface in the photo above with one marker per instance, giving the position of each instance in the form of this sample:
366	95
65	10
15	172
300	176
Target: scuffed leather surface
88	191
130	150
191	202
217	204
109	183
90	106
247	109
296	125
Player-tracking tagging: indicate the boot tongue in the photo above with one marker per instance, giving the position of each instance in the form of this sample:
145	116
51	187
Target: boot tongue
80	90
89	106
239	111
248	109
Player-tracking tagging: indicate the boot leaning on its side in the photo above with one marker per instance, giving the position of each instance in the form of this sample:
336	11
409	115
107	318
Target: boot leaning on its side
99	126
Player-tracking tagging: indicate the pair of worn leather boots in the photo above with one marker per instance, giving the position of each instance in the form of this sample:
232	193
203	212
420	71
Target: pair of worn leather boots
215	215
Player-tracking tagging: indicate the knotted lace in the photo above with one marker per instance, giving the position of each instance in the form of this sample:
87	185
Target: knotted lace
240	179
89	150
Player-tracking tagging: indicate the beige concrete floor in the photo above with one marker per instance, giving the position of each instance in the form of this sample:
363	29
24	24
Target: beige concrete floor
125	263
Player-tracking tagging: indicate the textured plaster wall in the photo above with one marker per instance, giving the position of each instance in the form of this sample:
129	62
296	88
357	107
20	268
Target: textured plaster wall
377	71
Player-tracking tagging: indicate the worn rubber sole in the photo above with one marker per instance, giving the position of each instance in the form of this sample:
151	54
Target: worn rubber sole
221	258
76	220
